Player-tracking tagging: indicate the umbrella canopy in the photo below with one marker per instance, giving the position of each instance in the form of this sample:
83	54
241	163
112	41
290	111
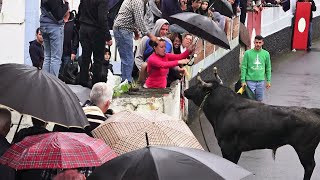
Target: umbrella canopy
125	131
81	92
201	26
40	94
223	7
168	163
57	150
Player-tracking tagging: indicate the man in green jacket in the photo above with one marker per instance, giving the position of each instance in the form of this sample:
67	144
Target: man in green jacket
256	68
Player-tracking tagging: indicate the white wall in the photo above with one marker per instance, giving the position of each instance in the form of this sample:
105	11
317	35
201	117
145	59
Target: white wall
275	19
12	43
12	28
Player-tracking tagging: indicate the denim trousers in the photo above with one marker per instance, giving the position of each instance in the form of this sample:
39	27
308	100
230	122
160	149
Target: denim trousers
124	42
53	47
257	87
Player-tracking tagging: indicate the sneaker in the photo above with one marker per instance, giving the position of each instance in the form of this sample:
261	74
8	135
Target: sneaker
309	49
134	86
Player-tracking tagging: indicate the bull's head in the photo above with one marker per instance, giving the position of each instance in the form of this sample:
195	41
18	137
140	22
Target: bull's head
197	92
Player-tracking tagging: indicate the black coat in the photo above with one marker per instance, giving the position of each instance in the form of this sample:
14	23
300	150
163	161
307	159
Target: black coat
6	173
71	38
94	13
55	7
33	130
36	52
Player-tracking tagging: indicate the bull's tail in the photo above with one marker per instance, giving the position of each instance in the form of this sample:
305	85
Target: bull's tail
274	154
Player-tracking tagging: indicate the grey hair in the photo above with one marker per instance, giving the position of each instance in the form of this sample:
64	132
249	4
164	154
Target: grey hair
100	93
5	121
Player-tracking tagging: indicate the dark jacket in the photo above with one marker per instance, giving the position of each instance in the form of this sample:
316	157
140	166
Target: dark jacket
170	7
36	53
53	11
94	13
313	8
190	9
71	38
6	173
33	130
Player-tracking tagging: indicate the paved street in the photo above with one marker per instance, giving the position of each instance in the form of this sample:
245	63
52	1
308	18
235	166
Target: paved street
295	82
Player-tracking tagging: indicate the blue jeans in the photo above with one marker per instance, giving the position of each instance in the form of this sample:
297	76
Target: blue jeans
257	87
124	42
53	47
310	35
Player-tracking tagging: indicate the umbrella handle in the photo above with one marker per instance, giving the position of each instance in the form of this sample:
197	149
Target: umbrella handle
18	125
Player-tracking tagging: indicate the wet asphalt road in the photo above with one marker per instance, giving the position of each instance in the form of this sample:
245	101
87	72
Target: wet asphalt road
295	82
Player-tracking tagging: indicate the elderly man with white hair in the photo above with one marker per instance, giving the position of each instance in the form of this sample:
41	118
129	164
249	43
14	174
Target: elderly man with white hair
100	100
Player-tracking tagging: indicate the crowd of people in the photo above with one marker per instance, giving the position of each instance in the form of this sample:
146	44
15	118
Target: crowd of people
61	31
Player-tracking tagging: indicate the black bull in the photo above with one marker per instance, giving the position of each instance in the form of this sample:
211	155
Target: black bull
242	125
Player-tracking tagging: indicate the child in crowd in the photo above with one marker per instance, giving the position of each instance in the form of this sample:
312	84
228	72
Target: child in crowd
204	8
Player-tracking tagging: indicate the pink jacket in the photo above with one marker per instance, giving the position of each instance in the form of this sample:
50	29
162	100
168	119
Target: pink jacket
158	68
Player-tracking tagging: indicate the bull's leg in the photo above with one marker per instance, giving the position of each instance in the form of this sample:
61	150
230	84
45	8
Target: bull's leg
306	156
232	155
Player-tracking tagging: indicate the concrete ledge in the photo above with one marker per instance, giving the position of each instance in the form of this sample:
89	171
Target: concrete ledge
163	100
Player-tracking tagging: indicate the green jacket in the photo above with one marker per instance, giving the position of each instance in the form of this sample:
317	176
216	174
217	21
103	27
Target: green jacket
256	66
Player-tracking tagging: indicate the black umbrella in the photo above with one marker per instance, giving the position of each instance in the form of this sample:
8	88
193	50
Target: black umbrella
201	26
223	7
39	94
81	92
168	163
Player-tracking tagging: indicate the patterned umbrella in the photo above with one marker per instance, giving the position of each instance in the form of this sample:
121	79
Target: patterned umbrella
125	131
59	150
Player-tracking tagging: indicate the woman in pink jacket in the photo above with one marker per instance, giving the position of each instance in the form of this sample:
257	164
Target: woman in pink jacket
159	63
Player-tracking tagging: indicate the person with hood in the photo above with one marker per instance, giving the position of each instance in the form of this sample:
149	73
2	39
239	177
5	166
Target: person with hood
98	104
7	173
144	50
153	13
54	13
36	50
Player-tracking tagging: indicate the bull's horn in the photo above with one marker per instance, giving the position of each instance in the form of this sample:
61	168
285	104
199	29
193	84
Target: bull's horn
203	83
215	71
